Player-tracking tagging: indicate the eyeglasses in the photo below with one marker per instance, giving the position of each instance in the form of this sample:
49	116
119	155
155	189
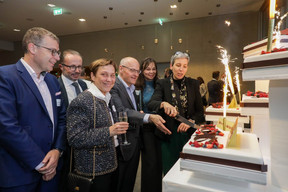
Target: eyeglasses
132	70
73	67
53	51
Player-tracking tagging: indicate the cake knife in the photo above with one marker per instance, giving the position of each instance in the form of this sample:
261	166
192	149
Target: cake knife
186	121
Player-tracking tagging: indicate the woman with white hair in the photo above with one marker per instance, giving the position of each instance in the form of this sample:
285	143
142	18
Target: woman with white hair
174	95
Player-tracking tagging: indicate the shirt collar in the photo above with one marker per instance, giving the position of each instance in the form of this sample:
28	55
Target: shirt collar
132	87
67	81
31	71
97	93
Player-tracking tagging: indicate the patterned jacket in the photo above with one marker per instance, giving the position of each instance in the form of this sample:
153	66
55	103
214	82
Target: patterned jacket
84	137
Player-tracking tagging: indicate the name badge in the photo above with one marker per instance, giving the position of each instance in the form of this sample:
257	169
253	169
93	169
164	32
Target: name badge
58	102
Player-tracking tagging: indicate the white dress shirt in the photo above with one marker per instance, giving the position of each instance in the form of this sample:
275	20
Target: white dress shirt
70	89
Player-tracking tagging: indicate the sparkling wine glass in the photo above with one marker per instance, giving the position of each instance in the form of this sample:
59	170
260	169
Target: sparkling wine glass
124	118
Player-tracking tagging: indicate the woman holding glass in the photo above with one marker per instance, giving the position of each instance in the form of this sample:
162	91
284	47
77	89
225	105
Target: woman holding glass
92	129
174	95
151	172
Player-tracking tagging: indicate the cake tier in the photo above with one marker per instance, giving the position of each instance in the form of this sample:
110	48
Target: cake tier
247	150
258	47
252	101
266	60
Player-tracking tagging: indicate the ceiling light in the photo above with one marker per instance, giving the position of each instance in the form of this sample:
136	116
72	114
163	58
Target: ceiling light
51	5
16	30
173	6
82	20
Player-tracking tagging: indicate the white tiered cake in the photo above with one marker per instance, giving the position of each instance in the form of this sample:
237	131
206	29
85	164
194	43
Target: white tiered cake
242	162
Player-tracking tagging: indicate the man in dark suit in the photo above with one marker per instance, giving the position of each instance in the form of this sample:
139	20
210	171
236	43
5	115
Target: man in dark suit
71	67
71	86
215	89
124	98
32	117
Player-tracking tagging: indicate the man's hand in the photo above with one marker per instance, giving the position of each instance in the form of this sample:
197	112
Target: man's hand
49	176
50	162
169	109
158	121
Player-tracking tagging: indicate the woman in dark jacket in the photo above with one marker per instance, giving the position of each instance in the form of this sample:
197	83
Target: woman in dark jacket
92	129
151	172
177	95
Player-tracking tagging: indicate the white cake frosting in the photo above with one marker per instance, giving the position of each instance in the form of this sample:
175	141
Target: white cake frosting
267	57
253	99
247	149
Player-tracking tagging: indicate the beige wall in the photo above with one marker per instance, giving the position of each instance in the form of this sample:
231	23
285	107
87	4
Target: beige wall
200	36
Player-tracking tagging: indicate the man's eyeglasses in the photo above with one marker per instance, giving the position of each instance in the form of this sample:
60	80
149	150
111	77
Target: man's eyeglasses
132	70
73	67
53	51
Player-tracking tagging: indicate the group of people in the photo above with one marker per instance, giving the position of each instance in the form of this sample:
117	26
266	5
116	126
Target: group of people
42	116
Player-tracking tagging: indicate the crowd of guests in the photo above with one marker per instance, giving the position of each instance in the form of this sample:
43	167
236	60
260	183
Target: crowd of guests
44	119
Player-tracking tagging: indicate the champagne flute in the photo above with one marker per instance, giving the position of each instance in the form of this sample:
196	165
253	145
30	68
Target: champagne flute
124	118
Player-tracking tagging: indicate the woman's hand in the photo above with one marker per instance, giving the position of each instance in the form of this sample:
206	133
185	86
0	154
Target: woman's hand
169	109
184	127
118	128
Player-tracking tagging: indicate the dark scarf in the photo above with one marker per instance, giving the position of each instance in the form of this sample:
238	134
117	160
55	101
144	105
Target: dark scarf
179	94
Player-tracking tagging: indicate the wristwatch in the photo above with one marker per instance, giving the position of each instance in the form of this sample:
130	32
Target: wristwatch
60	151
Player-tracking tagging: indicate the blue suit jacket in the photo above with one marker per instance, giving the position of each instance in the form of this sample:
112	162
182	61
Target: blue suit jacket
26	130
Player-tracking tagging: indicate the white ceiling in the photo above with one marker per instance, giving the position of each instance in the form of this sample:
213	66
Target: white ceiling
24	14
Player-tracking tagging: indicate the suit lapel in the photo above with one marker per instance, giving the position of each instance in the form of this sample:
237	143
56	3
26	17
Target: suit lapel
63	92
31	84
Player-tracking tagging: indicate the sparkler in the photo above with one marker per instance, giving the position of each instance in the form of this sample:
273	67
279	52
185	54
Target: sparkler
277	29
226	60
237	81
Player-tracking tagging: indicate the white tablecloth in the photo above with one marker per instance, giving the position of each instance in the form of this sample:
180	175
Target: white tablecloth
177	180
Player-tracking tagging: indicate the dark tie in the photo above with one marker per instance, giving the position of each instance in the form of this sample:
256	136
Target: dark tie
77	89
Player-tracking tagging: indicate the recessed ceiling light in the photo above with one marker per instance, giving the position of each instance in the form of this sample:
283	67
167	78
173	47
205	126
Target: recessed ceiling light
173	6
16	30
51	5
82	20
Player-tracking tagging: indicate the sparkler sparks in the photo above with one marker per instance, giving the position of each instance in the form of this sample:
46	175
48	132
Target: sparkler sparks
226	60
277	29
237	81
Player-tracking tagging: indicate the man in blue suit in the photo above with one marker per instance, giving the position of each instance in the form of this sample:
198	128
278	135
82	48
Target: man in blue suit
32	117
